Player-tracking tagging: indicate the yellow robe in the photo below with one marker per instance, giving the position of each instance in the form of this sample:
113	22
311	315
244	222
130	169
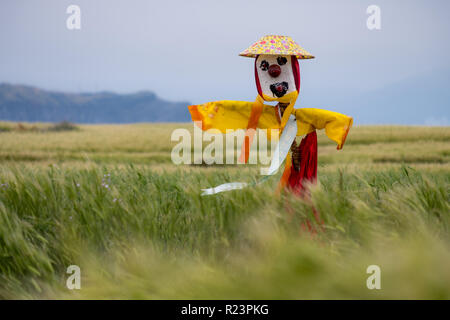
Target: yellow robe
233	115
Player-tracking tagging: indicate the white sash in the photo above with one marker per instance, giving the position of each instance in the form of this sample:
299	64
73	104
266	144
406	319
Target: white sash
281	151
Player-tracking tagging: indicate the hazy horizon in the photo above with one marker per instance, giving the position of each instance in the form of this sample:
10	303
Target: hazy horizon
188	51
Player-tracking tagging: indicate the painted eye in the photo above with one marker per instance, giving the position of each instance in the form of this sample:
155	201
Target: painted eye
281	60
264	65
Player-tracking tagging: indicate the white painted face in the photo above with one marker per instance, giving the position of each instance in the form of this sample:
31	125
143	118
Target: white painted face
275	74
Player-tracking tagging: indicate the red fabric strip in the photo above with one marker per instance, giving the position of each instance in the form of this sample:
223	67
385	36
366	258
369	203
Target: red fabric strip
308	164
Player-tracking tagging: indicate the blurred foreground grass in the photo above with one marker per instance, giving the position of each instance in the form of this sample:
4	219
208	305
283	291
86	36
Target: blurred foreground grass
108	199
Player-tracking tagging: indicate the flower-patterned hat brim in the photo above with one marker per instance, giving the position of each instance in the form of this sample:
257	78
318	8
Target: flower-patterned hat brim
276	45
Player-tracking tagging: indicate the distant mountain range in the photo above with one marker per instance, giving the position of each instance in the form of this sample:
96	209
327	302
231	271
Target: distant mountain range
422	100
25	103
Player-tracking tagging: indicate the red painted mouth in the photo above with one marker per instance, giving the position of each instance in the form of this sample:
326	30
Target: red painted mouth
279	89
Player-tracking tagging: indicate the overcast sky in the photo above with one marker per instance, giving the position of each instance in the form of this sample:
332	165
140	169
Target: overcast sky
188	50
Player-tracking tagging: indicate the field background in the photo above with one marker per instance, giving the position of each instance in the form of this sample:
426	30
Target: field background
108	199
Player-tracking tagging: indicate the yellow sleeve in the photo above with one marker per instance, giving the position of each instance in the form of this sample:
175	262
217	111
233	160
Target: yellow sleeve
336	125
234	115
231	115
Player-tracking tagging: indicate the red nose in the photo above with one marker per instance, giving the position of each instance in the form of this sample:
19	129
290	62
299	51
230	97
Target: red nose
274	70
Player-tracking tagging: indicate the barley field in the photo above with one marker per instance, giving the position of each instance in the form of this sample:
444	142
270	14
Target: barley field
108	199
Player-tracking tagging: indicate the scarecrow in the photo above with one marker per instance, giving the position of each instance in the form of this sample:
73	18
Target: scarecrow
277	75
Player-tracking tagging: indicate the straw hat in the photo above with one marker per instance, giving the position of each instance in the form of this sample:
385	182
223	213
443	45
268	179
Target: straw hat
276	45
